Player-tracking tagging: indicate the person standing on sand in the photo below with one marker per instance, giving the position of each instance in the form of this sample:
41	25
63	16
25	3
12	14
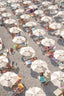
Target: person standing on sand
13	35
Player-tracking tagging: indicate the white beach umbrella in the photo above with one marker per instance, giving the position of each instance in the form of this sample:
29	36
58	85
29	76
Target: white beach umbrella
52	7
57	32
35	91
2	9
2	3
33	6
3	61
59	55
39	66
39	32
27	2
31	23
55	25
19	39
15	30
10	21
9	1
61	58
46	19
57	77
19	11
60	13
12	1
15	5
27	51
8	79
6	15
25	16
38	12
48	42
46	3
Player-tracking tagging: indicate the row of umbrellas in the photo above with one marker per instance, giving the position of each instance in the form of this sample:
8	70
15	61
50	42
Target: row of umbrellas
46	41
9	78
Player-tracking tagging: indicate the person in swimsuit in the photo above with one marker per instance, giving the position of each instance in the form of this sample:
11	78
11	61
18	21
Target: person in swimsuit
29	62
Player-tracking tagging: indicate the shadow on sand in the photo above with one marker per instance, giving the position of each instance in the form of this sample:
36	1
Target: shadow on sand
53	62
49	89
34	74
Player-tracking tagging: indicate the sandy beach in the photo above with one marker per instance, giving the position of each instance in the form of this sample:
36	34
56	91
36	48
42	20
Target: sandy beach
29	78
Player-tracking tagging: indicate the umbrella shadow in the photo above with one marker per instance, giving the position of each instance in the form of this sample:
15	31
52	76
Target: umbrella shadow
58	19
51	33
29	65
49	89
16	70
60	42
62	70
7	88
53	62
34	74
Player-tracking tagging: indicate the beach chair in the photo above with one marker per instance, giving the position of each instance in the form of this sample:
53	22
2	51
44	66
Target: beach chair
58	92
18	89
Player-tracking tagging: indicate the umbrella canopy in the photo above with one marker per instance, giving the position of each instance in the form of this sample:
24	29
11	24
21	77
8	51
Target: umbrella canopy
38	12
57	77
46	19
39	32
3	61
10	21
60	13
19	11
2	3
8	79
55	25
57	32
59	55
10	1
33	6
39	66
46	3
2	9
27	2
19	39
27	51
35	91
15	30
25	16
6	15
15	5
31	23
53	7
48	42
53	12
